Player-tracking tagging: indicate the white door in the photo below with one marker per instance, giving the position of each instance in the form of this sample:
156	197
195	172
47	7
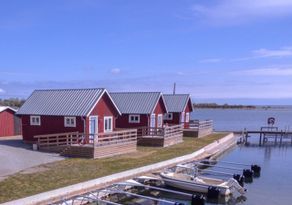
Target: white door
93	128
152	120
159	120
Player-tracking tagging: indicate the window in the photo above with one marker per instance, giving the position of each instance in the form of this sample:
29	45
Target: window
134	118
35	120
182	120
108	124
168	116
70	121
187	117
159	120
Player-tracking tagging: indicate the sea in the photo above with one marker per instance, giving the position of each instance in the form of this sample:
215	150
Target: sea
250	119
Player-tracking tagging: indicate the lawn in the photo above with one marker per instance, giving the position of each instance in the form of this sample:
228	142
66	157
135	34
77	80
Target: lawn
74	170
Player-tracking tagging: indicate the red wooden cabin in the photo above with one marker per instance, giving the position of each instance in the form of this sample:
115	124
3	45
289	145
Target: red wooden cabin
139	109
179	107
9	125
88	111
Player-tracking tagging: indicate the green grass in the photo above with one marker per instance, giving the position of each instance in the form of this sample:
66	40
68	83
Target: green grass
75	170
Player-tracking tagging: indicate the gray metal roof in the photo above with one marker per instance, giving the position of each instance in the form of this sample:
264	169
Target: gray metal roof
177	102
136	102
61	102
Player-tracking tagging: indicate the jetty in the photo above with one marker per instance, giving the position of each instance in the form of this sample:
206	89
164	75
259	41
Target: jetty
266	133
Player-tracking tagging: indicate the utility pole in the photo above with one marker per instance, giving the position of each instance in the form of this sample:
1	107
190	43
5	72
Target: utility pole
174	87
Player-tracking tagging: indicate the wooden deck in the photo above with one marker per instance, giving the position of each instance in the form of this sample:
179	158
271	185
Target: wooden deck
79	145
199	128
160	137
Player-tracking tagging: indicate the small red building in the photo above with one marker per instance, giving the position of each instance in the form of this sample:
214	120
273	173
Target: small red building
139	109
88	111
8	122
179	107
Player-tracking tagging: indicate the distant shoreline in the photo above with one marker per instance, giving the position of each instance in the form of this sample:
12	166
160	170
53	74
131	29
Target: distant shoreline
225	106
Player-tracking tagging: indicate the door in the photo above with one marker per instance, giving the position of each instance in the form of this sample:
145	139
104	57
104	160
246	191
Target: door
152	120
93	128
159	120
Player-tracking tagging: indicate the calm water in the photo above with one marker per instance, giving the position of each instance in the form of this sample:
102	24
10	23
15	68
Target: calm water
274	186
238	119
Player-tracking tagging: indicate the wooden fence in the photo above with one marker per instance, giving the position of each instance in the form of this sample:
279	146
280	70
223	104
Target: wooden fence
79	144
201	124
163	137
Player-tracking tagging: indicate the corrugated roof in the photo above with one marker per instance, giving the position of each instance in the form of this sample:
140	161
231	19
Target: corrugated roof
177	102
61	102
2	108
136	102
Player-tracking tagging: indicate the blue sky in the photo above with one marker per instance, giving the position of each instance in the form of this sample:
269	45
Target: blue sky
233	51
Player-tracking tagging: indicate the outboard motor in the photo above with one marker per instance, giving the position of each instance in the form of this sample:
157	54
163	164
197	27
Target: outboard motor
248	175
239	178
198	199
256	169
213	192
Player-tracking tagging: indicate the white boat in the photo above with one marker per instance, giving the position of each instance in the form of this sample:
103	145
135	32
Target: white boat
186	178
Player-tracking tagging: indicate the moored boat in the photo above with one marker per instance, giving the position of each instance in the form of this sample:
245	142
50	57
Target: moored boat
186	178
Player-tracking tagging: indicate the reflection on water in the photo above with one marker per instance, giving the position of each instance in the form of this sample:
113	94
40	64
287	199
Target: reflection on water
273	187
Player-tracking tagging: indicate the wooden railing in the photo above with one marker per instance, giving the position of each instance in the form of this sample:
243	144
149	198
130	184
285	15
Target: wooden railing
173	130
75	138
117	137
201	124
58	139
164	132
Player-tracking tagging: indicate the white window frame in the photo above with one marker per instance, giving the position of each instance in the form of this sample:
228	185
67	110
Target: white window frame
187	117
152	120
168	116
134	121
33	122
159	120
105	118
182	117
72	123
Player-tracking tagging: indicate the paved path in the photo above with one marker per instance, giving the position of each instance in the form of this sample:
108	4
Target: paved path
16	156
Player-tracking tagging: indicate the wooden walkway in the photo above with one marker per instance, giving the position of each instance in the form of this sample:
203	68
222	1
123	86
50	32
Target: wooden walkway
267	132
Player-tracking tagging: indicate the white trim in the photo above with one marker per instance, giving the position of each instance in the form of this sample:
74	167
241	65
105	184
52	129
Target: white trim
187	117
152	121
157	103
159	123
3	108
104	91
105	118
182	117
168	116
134	121
33	122
189	98
71	123
92	136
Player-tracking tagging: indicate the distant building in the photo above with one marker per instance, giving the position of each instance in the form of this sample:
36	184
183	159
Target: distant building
9	123
88	111
179	107
139	109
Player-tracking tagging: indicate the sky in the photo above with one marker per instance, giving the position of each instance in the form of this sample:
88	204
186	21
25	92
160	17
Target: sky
224	51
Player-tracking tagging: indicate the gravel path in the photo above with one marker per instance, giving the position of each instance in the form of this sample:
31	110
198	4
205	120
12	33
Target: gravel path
16	156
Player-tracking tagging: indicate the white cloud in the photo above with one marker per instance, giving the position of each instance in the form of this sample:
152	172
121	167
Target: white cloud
240	11
211	60
2	90
264	53
266	72
115	71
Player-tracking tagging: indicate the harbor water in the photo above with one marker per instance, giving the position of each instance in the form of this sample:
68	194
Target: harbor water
274	185
251	119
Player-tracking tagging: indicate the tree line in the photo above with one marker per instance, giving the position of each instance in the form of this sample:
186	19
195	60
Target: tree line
12	102
224	106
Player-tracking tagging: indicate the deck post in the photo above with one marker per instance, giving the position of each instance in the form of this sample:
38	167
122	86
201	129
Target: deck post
260	143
